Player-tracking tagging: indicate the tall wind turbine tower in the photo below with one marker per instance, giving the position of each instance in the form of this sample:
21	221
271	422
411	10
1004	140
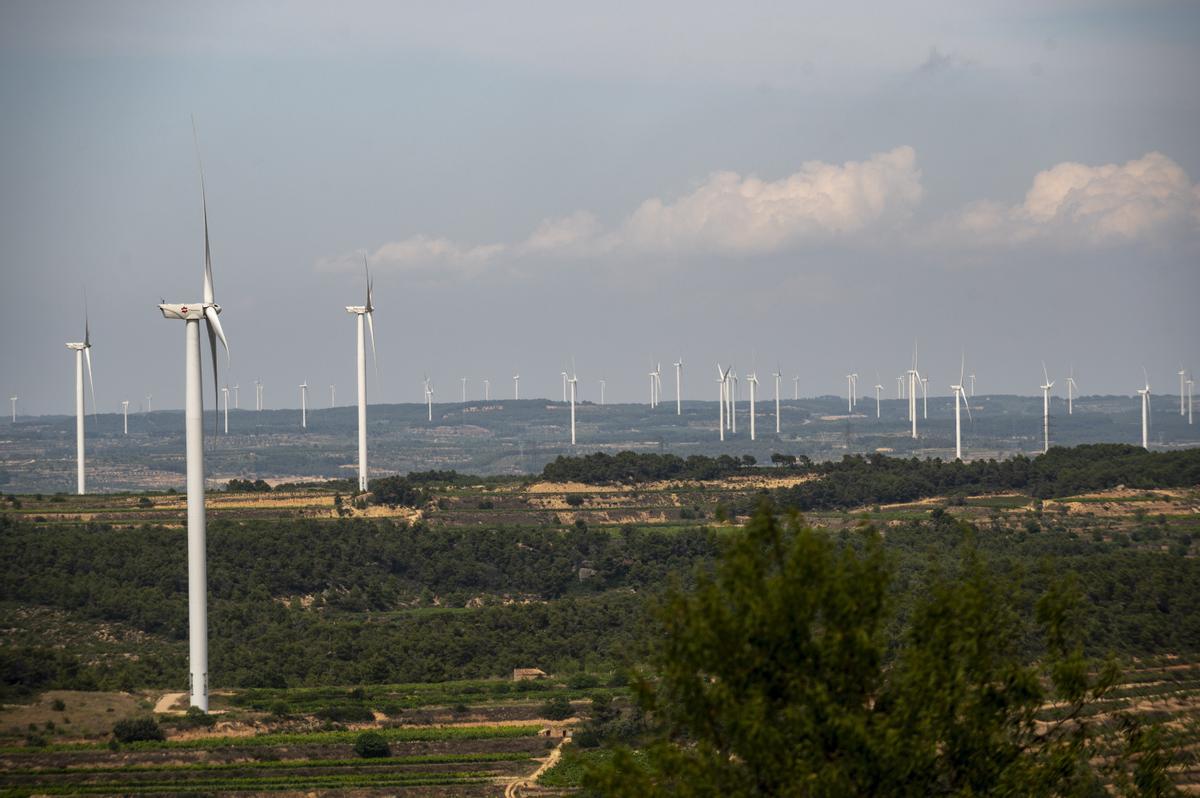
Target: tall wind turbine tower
487	389
753	380
1071	388
960	398
1046	386
304	405
914	377
601	393
899	387
878	389
733	386
258	394
363	313
849	393
1182	387
125	416
149	408
796	387
564	386
1190	385
777	375
332	396
723	391
225	397
1145	394
14	399
235	397
82	349
428	400
679	387
573	381
464	389
191	314
516	386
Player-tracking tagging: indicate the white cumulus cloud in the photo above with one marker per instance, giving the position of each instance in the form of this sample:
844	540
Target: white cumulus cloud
1149	199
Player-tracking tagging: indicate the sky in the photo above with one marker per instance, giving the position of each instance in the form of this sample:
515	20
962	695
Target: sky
808	187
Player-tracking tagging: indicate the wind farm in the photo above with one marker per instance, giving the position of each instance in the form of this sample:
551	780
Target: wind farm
634	571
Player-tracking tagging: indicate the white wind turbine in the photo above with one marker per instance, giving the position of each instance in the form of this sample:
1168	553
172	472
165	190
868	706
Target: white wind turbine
258	394
914	377
971	377
191	314
235	396
1190	383
849	393
753	380
1046	386
304	405
361	312
796	388
82	349
899	387
573	381
658	385
878	389
125	414
225	398
332	396
602	393
723	390
1071	389
1145	394
653	390
464	389
564	385
487	389
777	375
428	400
679	387
1182	387
925	397
960	398
516	386
733	386
14	399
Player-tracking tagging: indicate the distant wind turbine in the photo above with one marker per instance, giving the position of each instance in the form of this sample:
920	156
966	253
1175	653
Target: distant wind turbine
1182	387
564	385
428	400
516	386
1145	394
1190	384
679	387
601	393
777	375
125	414
753	380
1046	386
878	389
235	397
82	349
191	314
14	399
960	398
487	389
364	312
304	405
464	389
332	396
573	381
225	397
149	409
914	377
723	390
796	387
925	398
733	386
849	393
1071	388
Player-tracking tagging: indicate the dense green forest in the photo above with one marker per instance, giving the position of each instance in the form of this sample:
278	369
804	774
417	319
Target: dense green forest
356	601
858	480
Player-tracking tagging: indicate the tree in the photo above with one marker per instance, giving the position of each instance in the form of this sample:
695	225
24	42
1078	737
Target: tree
770	678
132	730
371	745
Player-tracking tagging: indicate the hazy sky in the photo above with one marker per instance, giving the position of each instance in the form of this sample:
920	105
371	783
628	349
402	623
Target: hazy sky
808	185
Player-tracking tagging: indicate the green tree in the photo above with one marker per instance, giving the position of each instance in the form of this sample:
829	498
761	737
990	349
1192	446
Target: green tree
770	678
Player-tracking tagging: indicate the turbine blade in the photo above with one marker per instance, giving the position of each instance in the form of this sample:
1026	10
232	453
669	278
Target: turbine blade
1045	374
374	357
962	368
87	355
212	345
208	278
214	326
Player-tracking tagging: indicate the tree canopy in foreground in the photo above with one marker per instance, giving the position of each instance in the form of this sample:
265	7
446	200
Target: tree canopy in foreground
771	677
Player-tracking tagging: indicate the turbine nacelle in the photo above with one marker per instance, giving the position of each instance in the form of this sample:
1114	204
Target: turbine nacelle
193	311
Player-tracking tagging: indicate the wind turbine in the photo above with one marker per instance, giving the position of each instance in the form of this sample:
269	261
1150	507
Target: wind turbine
1046	386
777	375
332	396
464	389
753	380
1189	390
564	386
960	398
653	390
14	399
516	386
602	393
82	350
914	377
149	409
1145	394
878	388
899	388
1071	386
796	387
573	381
125	414
191	314
235	396
723	390
361	312
849	393
428	399
487	389
925	398
733	385
972	379
1182	383
258	394
658	385
679	387
303	404
225	396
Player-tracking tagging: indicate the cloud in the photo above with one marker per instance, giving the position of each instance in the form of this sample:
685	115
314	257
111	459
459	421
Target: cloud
731	214
1150	199
939	62
727	214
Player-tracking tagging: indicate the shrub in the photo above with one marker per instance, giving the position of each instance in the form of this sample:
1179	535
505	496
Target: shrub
197	718
132	730
557	708
346	713
58	705
145	502
582	681
280	709
574	500
371	745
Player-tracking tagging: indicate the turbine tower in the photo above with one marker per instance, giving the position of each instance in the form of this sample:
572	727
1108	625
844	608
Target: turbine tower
235	397
149	409
303	405
361	312
925	398
125	415
1046	386
225	397
722	387
1071	387
191	314
464	389
1189	390
849	393
960	398
14	399
82	350
602	393
971	377
1145	394
516	386
914	377
679	387
899	388
733	386
1182	387
753	380
428	400
796	387
487	389
258	393
878	388
332	396
564	386
573	381
777	375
